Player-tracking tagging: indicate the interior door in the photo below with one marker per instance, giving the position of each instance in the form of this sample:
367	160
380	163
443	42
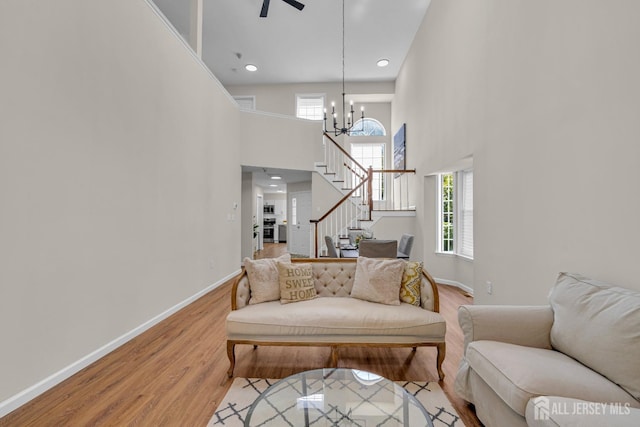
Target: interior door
300	227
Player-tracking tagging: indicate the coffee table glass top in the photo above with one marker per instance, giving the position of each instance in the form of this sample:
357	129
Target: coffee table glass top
336	397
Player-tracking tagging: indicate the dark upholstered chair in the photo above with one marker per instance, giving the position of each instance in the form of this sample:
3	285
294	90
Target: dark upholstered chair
331	247
372	248
405	245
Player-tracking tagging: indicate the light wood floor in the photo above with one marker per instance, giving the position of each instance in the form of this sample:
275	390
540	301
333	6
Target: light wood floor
174	374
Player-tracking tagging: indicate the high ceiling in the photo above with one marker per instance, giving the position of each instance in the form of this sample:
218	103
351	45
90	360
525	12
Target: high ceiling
291	46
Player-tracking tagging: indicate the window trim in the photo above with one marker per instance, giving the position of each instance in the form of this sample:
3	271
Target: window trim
378	122
298	96
251	98
458	189
383	185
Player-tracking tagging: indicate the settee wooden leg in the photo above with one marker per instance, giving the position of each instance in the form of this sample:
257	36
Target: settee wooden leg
232	357
415	348
442	351
334	356
255	346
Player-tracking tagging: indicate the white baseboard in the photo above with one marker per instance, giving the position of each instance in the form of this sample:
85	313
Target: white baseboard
14	402
456	284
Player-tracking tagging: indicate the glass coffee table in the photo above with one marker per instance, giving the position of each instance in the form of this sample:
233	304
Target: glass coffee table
336	397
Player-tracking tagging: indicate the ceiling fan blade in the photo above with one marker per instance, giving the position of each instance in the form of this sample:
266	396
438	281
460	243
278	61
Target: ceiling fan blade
295	4
265	8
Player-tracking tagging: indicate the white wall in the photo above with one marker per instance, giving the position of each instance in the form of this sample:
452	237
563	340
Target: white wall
114	142
545	95
277	141
281	98
249	216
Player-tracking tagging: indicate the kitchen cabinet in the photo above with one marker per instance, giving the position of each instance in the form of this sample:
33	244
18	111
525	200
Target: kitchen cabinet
280	207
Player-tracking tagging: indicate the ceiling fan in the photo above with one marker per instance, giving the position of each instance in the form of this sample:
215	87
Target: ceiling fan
265	6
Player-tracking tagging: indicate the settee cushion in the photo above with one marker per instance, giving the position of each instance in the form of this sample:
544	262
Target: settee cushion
328	319
264	278
518	373
410	284
378	280
296	282
598	325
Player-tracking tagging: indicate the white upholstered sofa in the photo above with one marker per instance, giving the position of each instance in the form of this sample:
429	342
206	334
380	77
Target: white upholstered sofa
335	319
555	365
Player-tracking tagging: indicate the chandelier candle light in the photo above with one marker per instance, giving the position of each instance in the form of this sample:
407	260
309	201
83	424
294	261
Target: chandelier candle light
347	125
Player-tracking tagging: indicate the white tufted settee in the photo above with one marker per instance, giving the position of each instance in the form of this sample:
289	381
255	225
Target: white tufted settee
334	319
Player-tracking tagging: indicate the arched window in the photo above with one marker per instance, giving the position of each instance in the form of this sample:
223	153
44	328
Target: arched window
368	127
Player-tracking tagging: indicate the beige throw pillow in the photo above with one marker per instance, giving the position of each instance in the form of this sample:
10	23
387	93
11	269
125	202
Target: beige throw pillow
296	282
378	280
410	285
264	279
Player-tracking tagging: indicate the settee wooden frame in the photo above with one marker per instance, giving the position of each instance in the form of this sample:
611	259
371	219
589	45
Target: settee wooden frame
441	346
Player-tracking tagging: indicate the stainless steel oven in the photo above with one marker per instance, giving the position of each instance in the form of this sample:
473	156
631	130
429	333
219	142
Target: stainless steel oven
268	230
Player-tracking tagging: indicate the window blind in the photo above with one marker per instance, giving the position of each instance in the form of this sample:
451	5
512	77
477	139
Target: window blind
466	214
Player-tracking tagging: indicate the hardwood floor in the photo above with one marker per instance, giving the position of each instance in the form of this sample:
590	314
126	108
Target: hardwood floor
175	373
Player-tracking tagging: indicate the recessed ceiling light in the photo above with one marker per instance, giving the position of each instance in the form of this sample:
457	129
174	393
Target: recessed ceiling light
276	177
382	62
280	191
250	67
273	185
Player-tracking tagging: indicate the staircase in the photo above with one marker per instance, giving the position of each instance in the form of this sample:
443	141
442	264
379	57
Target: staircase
356	210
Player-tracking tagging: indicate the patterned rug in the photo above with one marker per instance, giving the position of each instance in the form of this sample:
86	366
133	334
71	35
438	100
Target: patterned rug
243	391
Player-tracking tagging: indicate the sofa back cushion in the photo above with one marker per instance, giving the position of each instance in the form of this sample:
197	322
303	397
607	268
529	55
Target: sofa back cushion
334	279
598	325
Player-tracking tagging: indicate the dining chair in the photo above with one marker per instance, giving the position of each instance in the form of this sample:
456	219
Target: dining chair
405	245
372	248
331	247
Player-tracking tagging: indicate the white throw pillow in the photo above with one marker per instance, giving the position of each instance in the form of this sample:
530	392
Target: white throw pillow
378	280
264	279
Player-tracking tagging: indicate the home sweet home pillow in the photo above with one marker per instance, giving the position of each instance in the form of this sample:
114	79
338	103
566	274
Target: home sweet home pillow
410	284
264	279
296	282
378	280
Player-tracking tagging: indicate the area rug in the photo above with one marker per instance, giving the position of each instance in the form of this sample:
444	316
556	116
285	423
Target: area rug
236	403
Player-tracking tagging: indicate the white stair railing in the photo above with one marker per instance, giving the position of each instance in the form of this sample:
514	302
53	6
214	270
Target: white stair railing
393	193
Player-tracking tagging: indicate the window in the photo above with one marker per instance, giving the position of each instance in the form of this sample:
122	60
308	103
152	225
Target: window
447	213
246	102
368	127
455	202
310	106
371	155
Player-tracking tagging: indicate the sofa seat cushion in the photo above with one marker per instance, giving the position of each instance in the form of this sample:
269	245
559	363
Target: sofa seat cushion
335	319
518	373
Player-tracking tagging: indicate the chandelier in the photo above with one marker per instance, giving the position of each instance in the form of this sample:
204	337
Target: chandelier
348	120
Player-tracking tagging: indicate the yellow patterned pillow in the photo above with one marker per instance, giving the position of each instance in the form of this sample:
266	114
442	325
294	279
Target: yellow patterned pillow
410	286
